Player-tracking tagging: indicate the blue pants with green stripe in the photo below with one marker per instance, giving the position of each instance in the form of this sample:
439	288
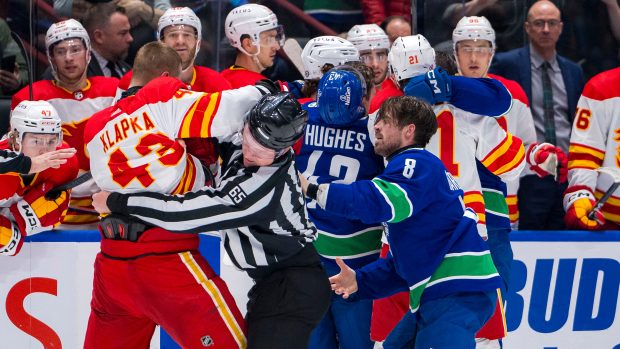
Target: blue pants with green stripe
444	323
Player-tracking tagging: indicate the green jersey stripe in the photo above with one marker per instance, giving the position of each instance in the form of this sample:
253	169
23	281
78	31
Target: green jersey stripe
495	202
461	266
397	198
348	245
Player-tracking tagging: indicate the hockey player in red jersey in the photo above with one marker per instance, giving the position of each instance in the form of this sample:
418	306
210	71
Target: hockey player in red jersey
254	31
180	28
76	98
594	145
135	146
373	45
35	130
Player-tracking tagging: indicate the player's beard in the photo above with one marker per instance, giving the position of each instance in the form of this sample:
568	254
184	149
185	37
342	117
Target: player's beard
190	59
386	147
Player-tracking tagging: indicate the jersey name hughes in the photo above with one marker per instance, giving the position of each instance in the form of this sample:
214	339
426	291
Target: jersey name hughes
328	137
116	132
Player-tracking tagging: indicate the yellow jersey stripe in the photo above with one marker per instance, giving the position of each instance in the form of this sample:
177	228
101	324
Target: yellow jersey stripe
187	120
586	150
513	163
205	130
499	151
583	164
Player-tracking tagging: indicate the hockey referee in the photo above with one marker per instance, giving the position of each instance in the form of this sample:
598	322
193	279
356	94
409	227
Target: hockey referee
259	209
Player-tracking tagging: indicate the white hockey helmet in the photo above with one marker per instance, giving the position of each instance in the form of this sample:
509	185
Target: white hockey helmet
64	30
35	117
473	28
323	50
251	20
179	16
366	37
411	56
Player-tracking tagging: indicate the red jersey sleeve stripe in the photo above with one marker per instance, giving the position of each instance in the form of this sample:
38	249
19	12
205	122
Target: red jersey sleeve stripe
505	156
188	121
584	149
212	108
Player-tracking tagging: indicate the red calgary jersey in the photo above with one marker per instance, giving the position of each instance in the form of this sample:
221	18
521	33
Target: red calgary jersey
203	80
134	147
519	122
595	140
239	76
75	108
388	89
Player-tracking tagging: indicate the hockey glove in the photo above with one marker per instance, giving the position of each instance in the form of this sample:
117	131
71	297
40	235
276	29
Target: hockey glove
562	165
35	214
545	159
57	176
432	87
10	238
578	203
295	88
118	227
267	86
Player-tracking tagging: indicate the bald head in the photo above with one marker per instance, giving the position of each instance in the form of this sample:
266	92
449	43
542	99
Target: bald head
543	27
543	7
395	27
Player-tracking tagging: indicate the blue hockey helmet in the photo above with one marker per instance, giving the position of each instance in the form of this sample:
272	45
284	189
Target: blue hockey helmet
339	96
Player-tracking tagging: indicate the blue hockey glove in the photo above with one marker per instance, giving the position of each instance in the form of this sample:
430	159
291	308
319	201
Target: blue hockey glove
433	87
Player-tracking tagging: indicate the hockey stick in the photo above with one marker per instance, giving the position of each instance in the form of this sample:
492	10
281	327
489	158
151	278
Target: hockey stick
55	192
293	50
615	174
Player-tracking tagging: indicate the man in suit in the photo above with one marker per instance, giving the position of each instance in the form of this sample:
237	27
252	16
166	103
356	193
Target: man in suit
108	27
553	84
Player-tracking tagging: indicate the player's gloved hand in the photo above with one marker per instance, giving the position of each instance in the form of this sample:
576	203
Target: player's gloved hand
10	238
35	214
543	159
578	203
433	87
295	88
118	227
562	165
268	86
63	173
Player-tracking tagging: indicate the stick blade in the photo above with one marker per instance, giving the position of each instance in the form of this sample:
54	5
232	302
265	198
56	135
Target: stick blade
293	50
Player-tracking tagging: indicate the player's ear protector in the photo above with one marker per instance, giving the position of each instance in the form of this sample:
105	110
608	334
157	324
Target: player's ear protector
339	96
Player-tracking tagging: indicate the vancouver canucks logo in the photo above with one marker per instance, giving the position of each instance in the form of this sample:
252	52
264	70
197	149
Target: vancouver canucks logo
346	98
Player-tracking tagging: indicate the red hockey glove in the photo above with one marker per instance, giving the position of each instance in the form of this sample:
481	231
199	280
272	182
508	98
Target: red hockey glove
562	165
544	158
10	238
61	175
35	214
578	203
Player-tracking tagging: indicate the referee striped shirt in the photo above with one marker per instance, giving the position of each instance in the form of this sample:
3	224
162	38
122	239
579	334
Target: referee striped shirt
259	211
13	162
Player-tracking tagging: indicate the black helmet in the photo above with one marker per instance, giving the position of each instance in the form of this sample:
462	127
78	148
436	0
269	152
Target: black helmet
277	120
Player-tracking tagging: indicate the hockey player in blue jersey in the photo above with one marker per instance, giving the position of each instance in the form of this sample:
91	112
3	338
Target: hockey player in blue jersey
436	252
337	148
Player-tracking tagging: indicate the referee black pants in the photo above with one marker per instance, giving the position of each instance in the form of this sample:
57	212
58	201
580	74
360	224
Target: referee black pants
285	306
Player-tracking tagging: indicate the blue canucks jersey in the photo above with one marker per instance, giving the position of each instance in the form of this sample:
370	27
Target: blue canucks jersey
435	246
340	154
